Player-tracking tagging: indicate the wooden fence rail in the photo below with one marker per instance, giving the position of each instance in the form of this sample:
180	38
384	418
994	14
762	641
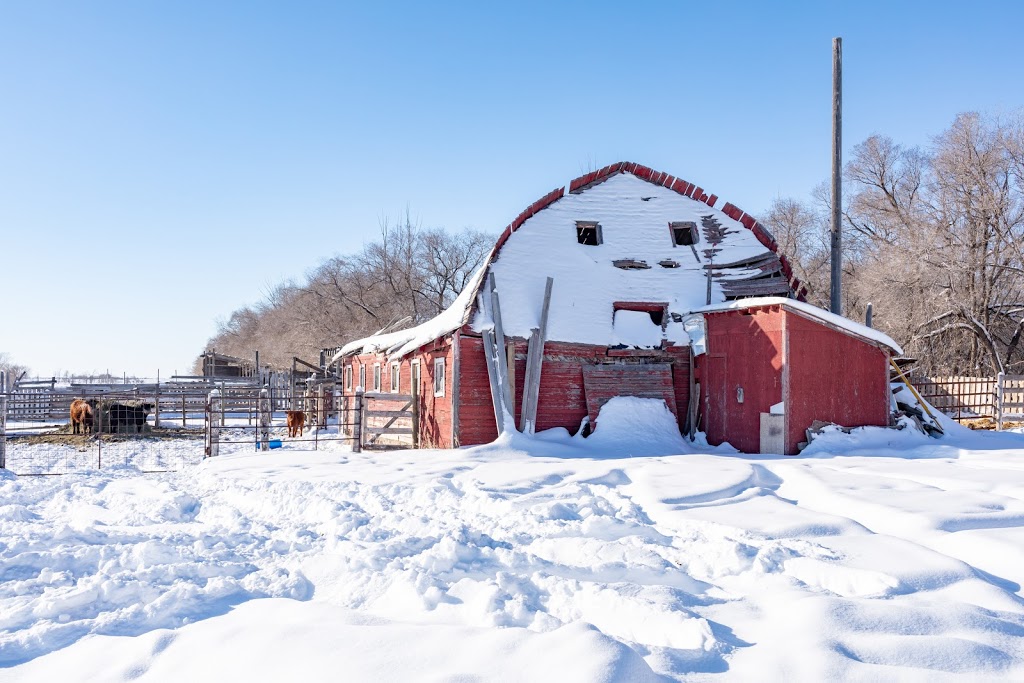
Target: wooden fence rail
965	397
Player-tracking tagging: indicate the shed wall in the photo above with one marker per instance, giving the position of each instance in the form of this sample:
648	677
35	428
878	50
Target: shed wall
835	378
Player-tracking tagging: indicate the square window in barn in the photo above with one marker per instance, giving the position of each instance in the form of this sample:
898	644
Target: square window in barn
348	378
362	376
395	377
684	233
376	377
589	233
439	377
639	324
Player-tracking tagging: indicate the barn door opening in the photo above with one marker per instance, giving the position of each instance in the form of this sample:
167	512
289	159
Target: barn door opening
648	380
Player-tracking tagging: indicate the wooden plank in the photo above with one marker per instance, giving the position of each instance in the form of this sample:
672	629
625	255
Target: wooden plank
499	347
388	397
534	363
388	413
456	385
414	382
510	361
492	378
388	430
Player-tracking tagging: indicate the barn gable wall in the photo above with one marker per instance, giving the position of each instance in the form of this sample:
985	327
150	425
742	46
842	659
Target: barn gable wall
563	399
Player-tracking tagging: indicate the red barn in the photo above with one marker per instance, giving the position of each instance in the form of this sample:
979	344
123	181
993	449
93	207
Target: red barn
603	291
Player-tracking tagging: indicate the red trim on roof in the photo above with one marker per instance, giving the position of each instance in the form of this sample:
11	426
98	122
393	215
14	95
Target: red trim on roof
677	185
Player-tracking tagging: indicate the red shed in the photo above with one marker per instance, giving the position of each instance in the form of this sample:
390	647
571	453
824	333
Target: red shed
603	291
777	365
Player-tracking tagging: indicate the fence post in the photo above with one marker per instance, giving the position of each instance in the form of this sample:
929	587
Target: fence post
264	418
3	420
156	408
1000	388
214	405
322	405
415	415
308	400
183	417
357	421
338	412
314	421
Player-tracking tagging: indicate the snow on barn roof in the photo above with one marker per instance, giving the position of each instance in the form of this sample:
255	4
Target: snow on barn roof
636	261
399	343
810	311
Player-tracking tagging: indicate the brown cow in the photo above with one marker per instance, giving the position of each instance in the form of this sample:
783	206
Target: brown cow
81	415
296	422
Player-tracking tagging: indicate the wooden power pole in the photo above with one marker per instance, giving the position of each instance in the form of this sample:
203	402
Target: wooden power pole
836	298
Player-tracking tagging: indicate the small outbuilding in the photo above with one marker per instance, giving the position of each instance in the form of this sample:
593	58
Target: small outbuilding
771	367
630	282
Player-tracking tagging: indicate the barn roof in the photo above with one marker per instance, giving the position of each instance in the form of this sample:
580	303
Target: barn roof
636	262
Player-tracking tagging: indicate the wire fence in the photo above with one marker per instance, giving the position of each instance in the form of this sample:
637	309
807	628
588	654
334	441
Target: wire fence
165	428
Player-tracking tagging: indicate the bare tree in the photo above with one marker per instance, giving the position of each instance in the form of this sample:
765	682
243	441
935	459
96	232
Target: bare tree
407	276
13	370
934	238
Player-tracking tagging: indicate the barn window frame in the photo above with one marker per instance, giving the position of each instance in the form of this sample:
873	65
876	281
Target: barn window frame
348	377
439	378
396	376
683	233
415	377
589	233
362	376
376	377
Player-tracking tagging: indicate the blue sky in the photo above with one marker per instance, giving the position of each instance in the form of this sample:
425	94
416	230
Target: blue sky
162	164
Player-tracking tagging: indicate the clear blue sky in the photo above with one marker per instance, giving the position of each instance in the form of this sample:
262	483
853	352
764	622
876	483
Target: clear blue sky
161	164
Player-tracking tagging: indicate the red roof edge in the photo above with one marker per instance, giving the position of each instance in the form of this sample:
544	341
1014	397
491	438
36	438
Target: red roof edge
677	185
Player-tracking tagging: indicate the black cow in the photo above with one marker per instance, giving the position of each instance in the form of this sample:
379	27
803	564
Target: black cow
123	414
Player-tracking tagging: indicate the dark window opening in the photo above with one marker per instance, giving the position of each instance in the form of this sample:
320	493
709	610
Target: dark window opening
684	233
588	233
657	311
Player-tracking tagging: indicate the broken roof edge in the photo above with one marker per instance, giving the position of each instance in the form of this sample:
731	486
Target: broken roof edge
845	324
400	343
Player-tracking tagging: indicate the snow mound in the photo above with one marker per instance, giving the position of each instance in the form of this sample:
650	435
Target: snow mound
631	426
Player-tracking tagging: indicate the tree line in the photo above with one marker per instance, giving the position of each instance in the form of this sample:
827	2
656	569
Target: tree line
933	237
406	276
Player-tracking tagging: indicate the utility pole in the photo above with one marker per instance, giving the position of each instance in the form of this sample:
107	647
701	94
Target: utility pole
836	305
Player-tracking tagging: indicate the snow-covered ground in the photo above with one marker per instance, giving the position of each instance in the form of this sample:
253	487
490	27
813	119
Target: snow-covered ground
874	556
